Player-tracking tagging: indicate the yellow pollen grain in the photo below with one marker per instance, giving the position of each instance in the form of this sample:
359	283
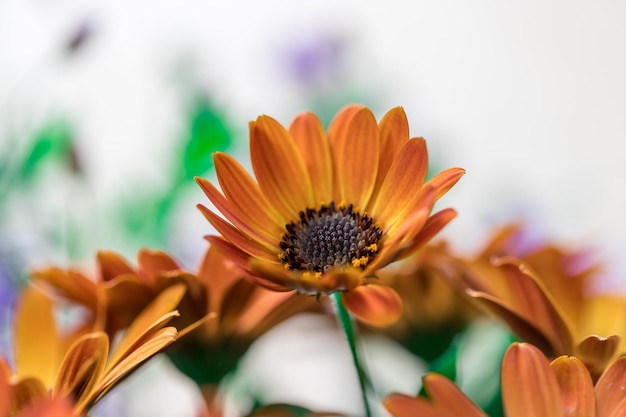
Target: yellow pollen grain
311	275
362	261
372	248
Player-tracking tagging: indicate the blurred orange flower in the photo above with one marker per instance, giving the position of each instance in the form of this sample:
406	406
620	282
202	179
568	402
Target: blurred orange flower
531	386
545	299
84	366
243	312
329	210
120	291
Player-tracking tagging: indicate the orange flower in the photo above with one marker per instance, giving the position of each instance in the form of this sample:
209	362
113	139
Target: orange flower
329	210
121	291
546	302
531	386
83	367
243	312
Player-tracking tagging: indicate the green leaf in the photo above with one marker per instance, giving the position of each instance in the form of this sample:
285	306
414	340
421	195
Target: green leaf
54	142
208	133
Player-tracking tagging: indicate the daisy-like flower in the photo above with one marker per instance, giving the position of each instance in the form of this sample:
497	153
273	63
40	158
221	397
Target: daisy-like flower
84	366
243	312
120	291
531	386
544	297
328	210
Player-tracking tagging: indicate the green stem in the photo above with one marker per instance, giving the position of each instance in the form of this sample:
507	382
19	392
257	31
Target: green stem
348	328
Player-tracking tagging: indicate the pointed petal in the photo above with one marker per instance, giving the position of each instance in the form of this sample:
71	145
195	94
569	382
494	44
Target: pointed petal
529	386
153	317
112	264
279	168
376	305
598	352
446	180
448	398
238	238
577	394
36	340
433	225
224	207
402	184
394	132
83	365
244	194
610	392
152	263
355	152
524	329
154	344
308	133
232	252
4	394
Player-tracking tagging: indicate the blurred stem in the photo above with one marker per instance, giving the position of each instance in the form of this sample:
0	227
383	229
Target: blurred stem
347	325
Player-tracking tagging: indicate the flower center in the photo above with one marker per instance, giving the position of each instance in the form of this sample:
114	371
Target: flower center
329	237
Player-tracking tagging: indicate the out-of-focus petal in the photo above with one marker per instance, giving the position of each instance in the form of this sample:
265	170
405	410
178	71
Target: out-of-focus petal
112	264
36	340
448	398
598	352
376	305
611	389
27	391
82	366
401	405
529	386
154	262
576	386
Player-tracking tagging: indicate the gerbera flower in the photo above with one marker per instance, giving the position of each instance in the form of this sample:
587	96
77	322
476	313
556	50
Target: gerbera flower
84	366
329	210
531	386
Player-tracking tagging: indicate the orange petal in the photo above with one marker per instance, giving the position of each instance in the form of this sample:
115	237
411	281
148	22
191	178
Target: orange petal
355	154
610	392
529	386
526	330
376	305
37	345
279	168
112	264
238	238
577	394
232	252
308	133
4	392
597	352
244	194
73	286
394	132
153	317
446	180
224	207
448	398
402	184
528	297
400	405
309	284
83	365
433	225
152	263
154	344
53	407
26	392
